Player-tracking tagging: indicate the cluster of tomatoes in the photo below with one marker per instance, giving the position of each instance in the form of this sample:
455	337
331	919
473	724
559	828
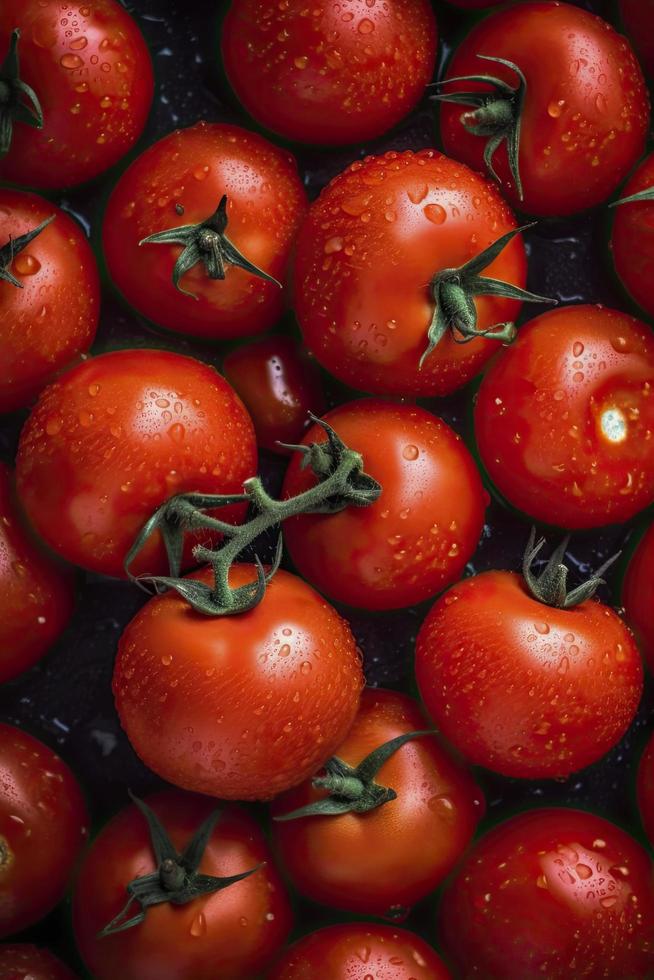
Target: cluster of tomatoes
240	681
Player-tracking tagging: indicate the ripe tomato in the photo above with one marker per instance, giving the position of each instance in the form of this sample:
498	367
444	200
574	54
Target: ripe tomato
564	417
51	316
553	893
43	823
180	182
584	114
25	962
632	239
115	437
367	862
645	786
239	707
91	71
358	951
231	934
417	538
638	595
279	386
638	19
366	259
326	76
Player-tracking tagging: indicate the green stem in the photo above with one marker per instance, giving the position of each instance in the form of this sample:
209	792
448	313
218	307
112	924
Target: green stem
551	586
646	195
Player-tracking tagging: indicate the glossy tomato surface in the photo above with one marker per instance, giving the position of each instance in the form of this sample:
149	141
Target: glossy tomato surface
331	73
564	418
43	825
638	19
92	73
384	861
585	112
180	180
645	788
24	962
115	437
632	239
638	595
231	934
365	259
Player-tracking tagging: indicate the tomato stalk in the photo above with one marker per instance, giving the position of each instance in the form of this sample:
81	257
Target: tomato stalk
646	195
13	247
551	586
18	100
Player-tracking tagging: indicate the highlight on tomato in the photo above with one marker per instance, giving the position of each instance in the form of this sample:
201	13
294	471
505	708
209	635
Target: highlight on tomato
632	236
638	595
22	961
638	20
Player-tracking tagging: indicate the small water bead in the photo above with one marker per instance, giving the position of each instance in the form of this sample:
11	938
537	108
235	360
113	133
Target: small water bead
26	265
555	108
435	213
410	452
71	61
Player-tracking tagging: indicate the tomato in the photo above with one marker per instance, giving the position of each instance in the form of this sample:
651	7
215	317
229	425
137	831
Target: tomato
43	824
181	181
416	539
368	862
91	71
326	76
553	893
632	238
230	934
638	595
358	951
279	386
367	256
645	787
638	19
49	315
24	962
115	437
254	703
584	114
563	418
473	4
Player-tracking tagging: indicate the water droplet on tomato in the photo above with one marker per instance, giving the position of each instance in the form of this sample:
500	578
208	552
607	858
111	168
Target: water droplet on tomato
26	265
410	452
435	213
199	925
71	61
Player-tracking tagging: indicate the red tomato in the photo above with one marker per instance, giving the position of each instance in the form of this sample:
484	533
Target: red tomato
279	386
368	862
118	435
638	595
91	71
319	75
180	181
645	785
231	934
632	239
473	4
553	893
563	418
51	317
365	260
416	539
24	962
638	19
254	703
585	111
43	824
359	951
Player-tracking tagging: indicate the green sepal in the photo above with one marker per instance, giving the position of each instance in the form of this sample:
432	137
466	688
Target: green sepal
551	586
646	195
13	248
18	100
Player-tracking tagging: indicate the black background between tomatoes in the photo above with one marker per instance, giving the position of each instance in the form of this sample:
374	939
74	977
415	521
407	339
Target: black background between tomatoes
66	699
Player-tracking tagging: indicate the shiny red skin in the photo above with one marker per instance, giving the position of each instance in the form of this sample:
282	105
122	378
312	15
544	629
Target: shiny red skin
330	77
417	537
541	418
632	238
36	594
21	961
638	19
645	788
231	934
41	803
638	595
238	707
586	109
366	255
523	688
52	320
358	951
193	168
279	386
368	863
91	70
553	893
114	438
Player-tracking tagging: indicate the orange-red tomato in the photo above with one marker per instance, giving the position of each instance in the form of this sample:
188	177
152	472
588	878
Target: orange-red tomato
638	595
645	787
632	238
21	961
638	19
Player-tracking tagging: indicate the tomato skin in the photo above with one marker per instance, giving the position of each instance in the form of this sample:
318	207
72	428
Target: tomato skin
365	257
432	505
638	595
92	73
21	961
326	79
638	19
41	801
543	418
193	168
645	788
578	139
534	898
632	238
231	934
438	804
114	438
279	386
248	712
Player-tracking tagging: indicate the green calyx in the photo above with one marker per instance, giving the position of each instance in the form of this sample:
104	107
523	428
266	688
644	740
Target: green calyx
13	247
18	101
353	790
646	195
453	291
342	483
177	879
551	586
497	114
205	242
